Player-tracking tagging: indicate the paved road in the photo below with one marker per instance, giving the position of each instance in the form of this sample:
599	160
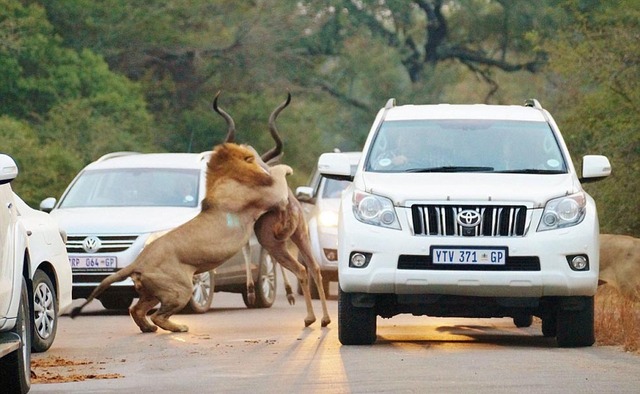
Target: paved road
234	350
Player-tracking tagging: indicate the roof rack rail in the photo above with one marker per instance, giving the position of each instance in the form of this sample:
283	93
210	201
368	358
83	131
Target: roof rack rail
532	103
116	154
390	103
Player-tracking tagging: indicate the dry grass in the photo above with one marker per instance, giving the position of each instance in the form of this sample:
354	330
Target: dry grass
617	319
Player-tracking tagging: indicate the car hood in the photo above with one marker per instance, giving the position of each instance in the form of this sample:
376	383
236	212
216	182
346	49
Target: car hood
525	188
122	220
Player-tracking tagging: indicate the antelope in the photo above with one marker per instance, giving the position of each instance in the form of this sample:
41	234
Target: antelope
276	227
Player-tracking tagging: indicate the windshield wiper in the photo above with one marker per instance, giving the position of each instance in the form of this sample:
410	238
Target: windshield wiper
531	171
452	169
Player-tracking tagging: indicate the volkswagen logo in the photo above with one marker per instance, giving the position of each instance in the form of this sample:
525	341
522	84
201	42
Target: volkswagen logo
468	218
91	244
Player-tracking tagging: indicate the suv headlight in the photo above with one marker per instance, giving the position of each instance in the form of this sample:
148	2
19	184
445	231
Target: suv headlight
563	212
376	210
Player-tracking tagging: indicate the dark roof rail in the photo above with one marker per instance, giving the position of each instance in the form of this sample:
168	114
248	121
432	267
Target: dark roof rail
532	103
390	103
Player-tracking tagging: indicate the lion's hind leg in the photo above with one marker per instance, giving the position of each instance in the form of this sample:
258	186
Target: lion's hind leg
170	304
139	313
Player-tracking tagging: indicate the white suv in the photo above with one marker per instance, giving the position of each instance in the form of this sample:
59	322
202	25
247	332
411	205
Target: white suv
467	211
123	201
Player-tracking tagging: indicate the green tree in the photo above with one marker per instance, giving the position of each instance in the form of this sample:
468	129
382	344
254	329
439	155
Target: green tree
595	71
68	103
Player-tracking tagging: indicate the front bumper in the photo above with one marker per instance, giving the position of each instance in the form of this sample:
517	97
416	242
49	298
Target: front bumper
383	275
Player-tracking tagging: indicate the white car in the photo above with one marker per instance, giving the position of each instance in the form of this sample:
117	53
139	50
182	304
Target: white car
49	271
33	267
321	201
124	200
467	211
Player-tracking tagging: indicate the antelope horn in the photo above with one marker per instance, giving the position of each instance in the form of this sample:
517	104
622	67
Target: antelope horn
231	133
275	152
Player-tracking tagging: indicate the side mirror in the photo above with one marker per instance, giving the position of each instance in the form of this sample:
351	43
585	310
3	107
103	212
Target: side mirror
305	194
8	169
335	166
47	204
595	168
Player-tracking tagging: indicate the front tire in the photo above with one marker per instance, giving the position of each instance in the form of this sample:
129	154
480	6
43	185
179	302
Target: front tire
266	284
15	368
575	326
356	325
202	293
45	312
116	302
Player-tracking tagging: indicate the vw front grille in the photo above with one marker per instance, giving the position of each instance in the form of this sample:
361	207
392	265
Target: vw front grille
495	221
108	243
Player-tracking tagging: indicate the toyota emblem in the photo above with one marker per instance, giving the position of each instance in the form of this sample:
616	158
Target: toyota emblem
91	244
468	218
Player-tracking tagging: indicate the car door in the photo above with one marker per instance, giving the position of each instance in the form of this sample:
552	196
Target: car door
7	220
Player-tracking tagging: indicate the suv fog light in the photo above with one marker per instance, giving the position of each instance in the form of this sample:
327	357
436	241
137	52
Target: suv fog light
359	260
578	263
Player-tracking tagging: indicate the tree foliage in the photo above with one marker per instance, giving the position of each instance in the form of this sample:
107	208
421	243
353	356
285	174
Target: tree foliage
81	78
595	66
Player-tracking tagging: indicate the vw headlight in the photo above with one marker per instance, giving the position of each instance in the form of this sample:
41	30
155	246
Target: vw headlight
375	210
563	212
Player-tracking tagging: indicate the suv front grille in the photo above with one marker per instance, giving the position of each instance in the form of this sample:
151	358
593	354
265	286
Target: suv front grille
108	243
496	221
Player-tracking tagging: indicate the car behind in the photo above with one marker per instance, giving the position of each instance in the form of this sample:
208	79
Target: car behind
320	201
123	201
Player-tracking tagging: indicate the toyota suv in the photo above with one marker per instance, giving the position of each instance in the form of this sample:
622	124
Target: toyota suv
125	200
467	211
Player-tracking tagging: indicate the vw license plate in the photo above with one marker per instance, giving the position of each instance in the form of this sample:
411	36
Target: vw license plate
468	255
93	262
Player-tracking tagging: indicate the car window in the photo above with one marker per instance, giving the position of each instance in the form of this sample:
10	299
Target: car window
333	188
134	187
465	145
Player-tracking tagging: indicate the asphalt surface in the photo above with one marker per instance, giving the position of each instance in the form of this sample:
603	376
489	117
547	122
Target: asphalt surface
232	349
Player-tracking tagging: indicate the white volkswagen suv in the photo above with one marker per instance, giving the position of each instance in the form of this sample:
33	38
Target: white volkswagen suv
123	201
467	211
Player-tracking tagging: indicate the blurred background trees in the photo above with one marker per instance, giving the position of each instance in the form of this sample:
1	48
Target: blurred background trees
82	78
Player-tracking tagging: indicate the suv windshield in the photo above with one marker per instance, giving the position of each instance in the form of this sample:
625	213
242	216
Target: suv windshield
135	187
466	146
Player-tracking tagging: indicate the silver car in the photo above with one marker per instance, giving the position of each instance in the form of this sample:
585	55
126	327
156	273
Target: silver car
321	202
125	200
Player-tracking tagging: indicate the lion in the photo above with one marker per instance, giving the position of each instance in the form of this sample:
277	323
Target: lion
240	187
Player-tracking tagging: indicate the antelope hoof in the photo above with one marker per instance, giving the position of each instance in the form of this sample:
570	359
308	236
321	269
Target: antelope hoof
251	298
291	299
309	321
325	321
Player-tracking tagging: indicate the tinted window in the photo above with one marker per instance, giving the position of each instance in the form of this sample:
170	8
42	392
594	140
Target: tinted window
465	145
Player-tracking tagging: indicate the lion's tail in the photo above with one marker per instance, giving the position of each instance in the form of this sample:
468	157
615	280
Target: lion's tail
106	282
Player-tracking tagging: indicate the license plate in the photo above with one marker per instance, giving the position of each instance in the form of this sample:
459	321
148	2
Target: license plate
468	255
93	262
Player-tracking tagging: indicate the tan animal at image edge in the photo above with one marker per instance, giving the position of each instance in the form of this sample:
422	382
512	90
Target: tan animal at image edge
240	188
620	264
